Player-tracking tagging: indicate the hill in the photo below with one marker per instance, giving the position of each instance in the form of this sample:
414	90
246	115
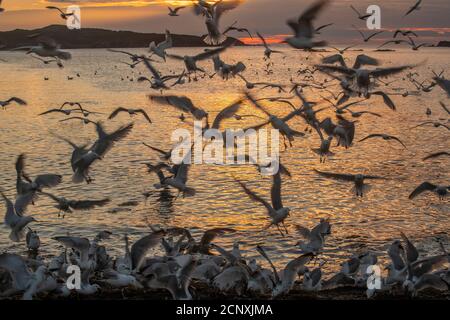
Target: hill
98	38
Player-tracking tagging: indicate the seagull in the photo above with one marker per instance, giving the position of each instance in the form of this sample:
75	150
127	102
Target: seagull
405	33
85	120
342	51
46	48
414	7
213	14
277	123
268	51
106	140
140	248
27	188
434	123
361	16
15	220
415	46
32	239
160	49
62	13
237	29
303	29
182	103
174	12
358	179
441	191
67	112
277	212
362	78
66	205
158	82
436	155
179	181
315	237
131	112
385	137
366	39
6	103
191	61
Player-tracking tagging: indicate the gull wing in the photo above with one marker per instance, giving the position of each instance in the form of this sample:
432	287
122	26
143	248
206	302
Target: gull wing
337	176
426	186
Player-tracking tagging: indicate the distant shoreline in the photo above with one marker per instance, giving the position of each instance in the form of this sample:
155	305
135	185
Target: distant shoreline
93	38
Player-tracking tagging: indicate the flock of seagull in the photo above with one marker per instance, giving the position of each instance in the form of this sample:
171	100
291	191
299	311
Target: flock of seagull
186	261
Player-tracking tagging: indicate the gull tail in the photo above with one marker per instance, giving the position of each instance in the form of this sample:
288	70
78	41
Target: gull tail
78	177
189	192
214	41
65	55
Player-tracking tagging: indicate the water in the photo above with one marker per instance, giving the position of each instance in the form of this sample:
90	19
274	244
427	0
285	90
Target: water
358	224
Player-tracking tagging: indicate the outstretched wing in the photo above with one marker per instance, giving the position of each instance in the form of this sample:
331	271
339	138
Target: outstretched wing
116	112
426	186
337	176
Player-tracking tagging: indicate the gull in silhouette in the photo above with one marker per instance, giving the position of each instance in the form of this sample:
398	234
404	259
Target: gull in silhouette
212	14
27	188
237	29
131	112
341	51
434	123
66	205
363	17
5	103
383	136
358	179
181	103
160	49
158	82
405	33
46	48
367	38
278	123
268	51
414	8
62	14
303	27
190	62
276	211
285	281
436	155
315	237
15	220
440	191
173	12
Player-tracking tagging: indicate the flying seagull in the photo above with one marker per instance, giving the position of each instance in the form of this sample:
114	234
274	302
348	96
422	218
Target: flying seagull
62	13
441	191
131	112
358	179
276	211
436	155
303	27
383	136
66	205
173	12
361	16
414	7
6	103
268	51
367	38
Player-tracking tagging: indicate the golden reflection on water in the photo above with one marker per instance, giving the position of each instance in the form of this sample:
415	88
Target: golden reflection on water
358	224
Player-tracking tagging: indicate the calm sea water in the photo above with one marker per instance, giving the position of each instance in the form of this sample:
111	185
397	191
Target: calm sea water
358	224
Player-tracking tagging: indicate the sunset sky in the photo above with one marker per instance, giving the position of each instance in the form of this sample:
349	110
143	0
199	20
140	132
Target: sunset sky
266	16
